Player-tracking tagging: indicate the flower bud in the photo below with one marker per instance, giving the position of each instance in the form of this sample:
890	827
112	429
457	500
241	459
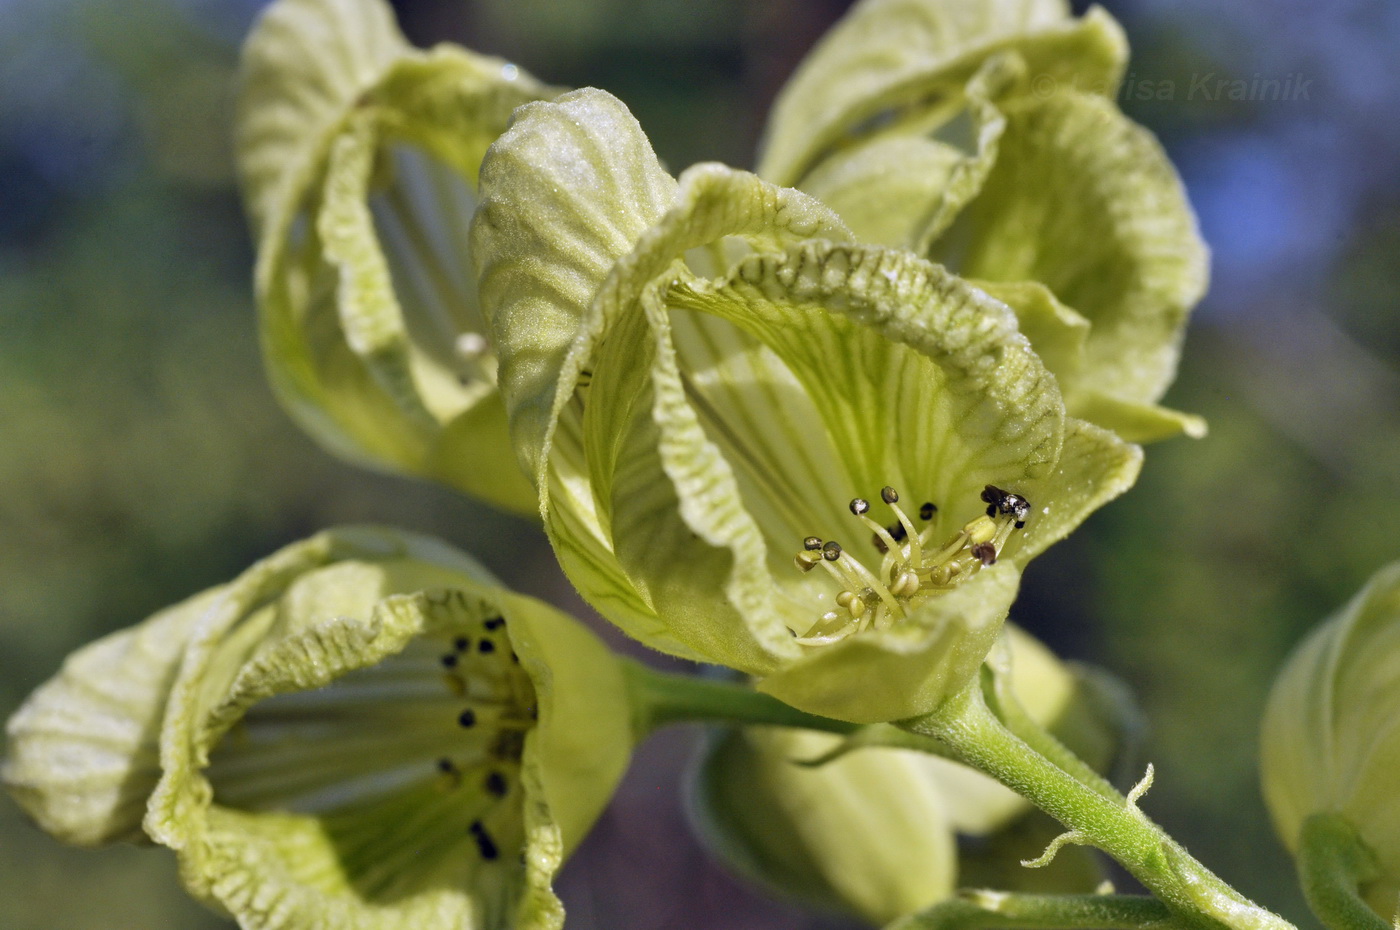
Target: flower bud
874	832
362	730
1331	733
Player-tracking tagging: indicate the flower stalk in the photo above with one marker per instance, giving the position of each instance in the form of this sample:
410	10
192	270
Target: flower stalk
976	737
1006	911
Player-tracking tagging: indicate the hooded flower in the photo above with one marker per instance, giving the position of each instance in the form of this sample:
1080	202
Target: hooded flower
361	731
359	157
1330	744
983	134
757	443
873	832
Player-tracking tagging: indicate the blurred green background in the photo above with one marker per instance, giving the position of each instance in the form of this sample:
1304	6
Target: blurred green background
143	457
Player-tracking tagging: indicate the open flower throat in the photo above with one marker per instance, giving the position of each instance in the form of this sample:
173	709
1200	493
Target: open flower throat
911	569
414	759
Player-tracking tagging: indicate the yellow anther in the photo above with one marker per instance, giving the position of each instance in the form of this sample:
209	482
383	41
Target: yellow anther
906	585
981	530
853	604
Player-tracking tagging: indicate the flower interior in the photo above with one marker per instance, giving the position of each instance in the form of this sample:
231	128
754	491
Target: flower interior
911	567
412	765
422	210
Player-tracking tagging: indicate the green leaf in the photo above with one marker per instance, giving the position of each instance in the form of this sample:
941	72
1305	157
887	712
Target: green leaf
899	67
371	328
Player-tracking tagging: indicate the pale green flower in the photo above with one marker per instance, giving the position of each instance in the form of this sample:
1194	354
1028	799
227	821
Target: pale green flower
703	373
359	156
984	135
873	832
1331	735
361	731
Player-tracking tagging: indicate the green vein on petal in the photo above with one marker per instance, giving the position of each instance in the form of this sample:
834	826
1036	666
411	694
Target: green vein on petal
934	375
912	370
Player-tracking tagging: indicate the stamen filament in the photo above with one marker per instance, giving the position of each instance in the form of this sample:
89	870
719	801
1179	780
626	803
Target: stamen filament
909	572
891	497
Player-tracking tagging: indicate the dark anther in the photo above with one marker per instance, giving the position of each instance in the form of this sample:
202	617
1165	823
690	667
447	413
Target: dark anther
495	623
812	543
467	718
1005	502
485	645
889	495
878	543
449	660
927	511
831	551
461	644
985	552
859	505
446	766
484	844
897	531
496	784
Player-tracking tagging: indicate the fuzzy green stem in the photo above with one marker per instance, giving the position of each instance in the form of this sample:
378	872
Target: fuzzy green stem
661	699
973	910
1333	862
1009	710
1196	896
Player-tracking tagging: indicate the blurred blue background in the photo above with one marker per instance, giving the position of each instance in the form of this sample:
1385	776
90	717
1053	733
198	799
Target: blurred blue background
143	457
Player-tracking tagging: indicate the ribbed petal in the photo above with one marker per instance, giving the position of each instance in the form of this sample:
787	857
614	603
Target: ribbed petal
303	66
895	64
370	325
84	748
1084	201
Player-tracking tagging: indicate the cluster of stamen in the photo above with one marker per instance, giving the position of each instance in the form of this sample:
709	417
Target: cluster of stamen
911	568
495	708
